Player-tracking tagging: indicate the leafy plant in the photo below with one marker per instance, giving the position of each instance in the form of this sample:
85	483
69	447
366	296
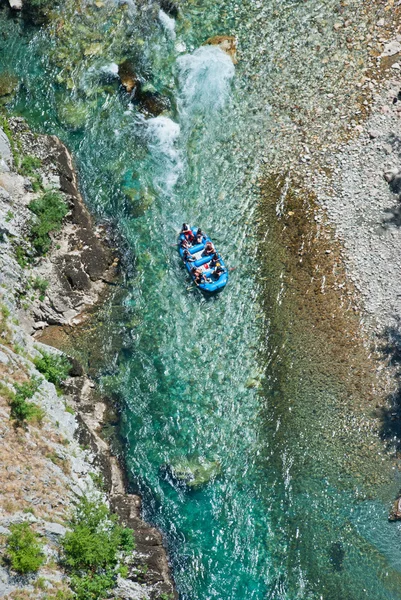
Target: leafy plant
28	165
92	549
50	208
54	367
21	410
21	256
40	284
23	549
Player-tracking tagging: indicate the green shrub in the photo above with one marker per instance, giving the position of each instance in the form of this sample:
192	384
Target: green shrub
50	209
92	549
21	256
93	586
21	410
54	367
28	165
23	549
41	286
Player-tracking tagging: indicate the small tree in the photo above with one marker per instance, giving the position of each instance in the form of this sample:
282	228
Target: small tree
23	549
54	367
92	549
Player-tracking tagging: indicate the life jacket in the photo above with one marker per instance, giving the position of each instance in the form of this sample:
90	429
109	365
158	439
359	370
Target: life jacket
188	234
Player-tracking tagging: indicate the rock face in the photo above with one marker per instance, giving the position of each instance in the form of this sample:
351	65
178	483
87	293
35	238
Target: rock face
228	43
81	265
46	466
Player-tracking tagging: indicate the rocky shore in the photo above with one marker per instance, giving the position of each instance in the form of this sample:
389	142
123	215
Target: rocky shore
49	463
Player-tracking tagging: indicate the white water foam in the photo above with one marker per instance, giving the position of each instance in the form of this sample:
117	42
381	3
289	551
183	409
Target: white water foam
204	78
168	23
162	134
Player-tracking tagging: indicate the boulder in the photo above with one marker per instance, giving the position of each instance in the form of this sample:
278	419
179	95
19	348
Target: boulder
191	473
391	48
227	43
5	151
15	4
128	78
395	513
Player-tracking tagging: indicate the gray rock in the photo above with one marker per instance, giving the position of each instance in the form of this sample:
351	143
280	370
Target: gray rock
5	149
390	175
374	133
391	48
130	590
15	4
4	358
4	530
4	195
55	529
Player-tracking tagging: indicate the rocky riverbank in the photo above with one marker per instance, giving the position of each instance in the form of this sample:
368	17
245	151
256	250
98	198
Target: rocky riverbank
48	463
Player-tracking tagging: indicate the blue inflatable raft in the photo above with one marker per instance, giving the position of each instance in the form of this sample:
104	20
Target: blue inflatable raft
211	272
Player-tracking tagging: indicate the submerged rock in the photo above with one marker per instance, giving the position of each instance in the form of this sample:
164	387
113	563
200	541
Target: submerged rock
395	513
8	85
227	43
169	8
129	78
191	473
148	99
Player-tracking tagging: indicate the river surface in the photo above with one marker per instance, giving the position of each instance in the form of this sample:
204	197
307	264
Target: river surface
298	507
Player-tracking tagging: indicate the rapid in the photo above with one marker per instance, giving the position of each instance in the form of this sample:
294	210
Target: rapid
215	381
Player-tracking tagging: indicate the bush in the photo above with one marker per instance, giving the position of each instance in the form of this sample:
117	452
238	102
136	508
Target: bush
50	209
28	165
54	367
92	549
23	549
21	410
41	286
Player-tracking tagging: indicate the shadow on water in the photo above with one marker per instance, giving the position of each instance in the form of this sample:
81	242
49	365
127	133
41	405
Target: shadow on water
394	213
390	415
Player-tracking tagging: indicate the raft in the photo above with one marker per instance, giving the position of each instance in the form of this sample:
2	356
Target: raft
200	261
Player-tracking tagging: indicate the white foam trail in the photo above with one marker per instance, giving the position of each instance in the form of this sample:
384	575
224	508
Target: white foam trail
162	134
204	78
111	69
168	23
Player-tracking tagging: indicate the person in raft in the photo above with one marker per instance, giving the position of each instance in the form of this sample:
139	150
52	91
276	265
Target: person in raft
199	236
187	256
184	244
209	249
215	262
199	276
186	230
217	272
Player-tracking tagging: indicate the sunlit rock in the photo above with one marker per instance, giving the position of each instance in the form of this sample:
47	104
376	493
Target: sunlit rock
192	473
128	77
228	43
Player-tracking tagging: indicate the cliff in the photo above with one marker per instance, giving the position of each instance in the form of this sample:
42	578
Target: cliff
54	266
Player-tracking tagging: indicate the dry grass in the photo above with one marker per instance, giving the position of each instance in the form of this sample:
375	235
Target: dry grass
32	470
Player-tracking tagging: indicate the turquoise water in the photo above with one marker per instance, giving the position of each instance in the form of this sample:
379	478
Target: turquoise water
288	516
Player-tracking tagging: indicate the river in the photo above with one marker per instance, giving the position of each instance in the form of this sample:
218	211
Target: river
298	504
